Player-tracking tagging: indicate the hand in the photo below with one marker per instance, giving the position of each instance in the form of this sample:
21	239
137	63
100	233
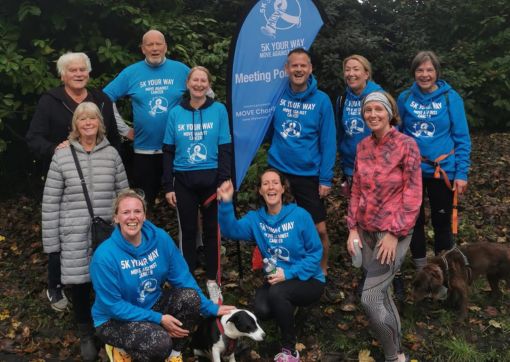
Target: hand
173	326
225	192
353	234
131	134
62	144
277	277
225	309
171	199
460	186
324	191
387	249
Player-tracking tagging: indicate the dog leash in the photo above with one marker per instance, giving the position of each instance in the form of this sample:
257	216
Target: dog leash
206	203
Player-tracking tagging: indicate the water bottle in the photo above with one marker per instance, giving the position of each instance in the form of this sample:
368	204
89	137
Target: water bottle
269	265
356	258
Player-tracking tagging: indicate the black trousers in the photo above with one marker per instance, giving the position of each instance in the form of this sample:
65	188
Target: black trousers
147	341
440	199
191	195
147	172
279	301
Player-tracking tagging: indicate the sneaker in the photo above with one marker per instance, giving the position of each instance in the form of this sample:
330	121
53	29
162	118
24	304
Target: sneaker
177	358
214	291
57	298
286	356
116	354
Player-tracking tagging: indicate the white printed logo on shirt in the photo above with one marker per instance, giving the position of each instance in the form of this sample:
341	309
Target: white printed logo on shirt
354	126
197	153
423	129
147	286
158	105
291	128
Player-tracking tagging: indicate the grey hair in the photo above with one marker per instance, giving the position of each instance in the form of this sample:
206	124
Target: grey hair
65	59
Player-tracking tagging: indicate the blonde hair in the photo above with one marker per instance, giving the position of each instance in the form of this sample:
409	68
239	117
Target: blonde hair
364	62
126	194
87	108
203	69
67	58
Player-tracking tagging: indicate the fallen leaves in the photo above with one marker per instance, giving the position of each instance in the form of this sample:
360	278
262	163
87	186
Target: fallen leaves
364	356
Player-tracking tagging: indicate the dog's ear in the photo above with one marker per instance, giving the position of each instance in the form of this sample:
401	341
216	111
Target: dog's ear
435	272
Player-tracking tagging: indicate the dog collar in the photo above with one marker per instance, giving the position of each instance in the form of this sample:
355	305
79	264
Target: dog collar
230	344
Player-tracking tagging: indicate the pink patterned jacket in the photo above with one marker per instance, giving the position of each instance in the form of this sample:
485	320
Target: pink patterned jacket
386	192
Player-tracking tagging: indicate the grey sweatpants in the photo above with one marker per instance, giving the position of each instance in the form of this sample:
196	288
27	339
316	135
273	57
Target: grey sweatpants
376	297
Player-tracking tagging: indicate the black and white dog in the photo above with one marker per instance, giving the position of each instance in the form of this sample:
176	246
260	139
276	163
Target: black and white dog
217	337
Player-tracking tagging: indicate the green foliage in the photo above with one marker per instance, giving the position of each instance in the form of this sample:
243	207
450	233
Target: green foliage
472	38
460	350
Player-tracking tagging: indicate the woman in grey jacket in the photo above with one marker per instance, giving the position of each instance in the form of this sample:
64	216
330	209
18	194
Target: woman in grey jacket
65	216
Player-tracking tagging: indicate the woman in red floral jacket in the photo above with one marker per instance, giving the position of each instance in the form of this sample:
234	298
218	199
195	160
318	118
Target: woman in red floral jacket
385	201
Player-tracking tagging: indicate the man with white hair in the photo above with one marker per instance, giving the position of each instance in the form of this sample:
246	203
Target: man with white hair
155	86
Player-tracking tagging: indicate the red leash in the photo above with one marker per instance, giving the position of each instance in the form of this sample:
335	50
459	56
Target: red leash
206	203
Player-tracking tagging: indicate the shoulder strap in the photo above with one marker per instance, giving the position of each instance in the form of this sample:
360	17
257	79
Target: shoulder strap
82	180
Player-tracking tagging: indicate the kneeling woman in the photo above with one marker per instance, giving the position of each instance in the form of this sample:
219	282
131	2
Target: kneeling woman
132	311
384	205
286	236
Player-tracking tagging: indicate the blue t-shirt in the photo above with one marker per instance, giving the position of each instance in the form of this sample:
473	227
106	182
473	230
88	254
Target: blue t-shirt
154	91
196	135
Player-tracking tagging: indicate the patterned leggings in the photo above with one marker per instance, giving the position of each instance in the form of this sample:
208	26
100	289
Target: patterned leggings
147	341
376	297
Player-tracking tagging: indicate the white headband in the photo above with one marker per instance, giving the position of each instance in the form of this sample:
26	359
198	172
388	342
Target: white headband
381	98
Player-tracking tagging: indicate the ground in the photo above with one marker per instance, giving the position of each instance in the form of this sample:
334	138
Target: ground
332	330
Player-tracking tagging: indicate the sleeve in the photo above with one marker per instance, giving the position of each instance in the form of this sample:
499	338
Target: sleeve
121	181
112	132
224	147
107	287
231	227
39	131
405	217
340	132
224	162
118	87
306	268
401	105
352	210
327	144
122	126
167	179
460	136
52	199
179	276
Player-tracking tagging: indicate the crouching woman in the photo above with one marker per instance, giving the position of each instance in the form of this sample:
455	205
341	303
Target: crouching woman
385	202
287	238
132	311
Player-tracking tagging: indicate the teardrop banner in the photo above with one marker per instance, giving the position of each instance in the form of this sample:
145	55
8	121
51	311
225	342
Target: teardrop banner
269	30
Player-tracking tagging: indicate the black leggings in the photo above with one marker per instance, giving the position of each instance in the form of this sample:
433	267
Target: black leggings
147	341
147	172
279	301
188	201
441	199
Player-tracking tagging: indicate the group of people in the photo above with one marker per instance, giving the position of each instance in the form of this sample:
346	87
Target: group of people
392	154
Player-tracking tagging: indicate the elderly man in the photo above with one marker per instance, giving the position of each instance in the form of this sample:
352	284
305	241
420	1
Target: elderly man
154	85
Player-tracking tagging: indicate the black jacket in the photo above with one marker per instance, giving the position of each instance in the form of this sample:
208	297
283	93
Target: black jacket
51	122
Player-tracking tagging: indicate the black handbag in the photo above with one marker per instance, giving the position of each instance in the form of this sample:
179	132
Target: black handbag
100	229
